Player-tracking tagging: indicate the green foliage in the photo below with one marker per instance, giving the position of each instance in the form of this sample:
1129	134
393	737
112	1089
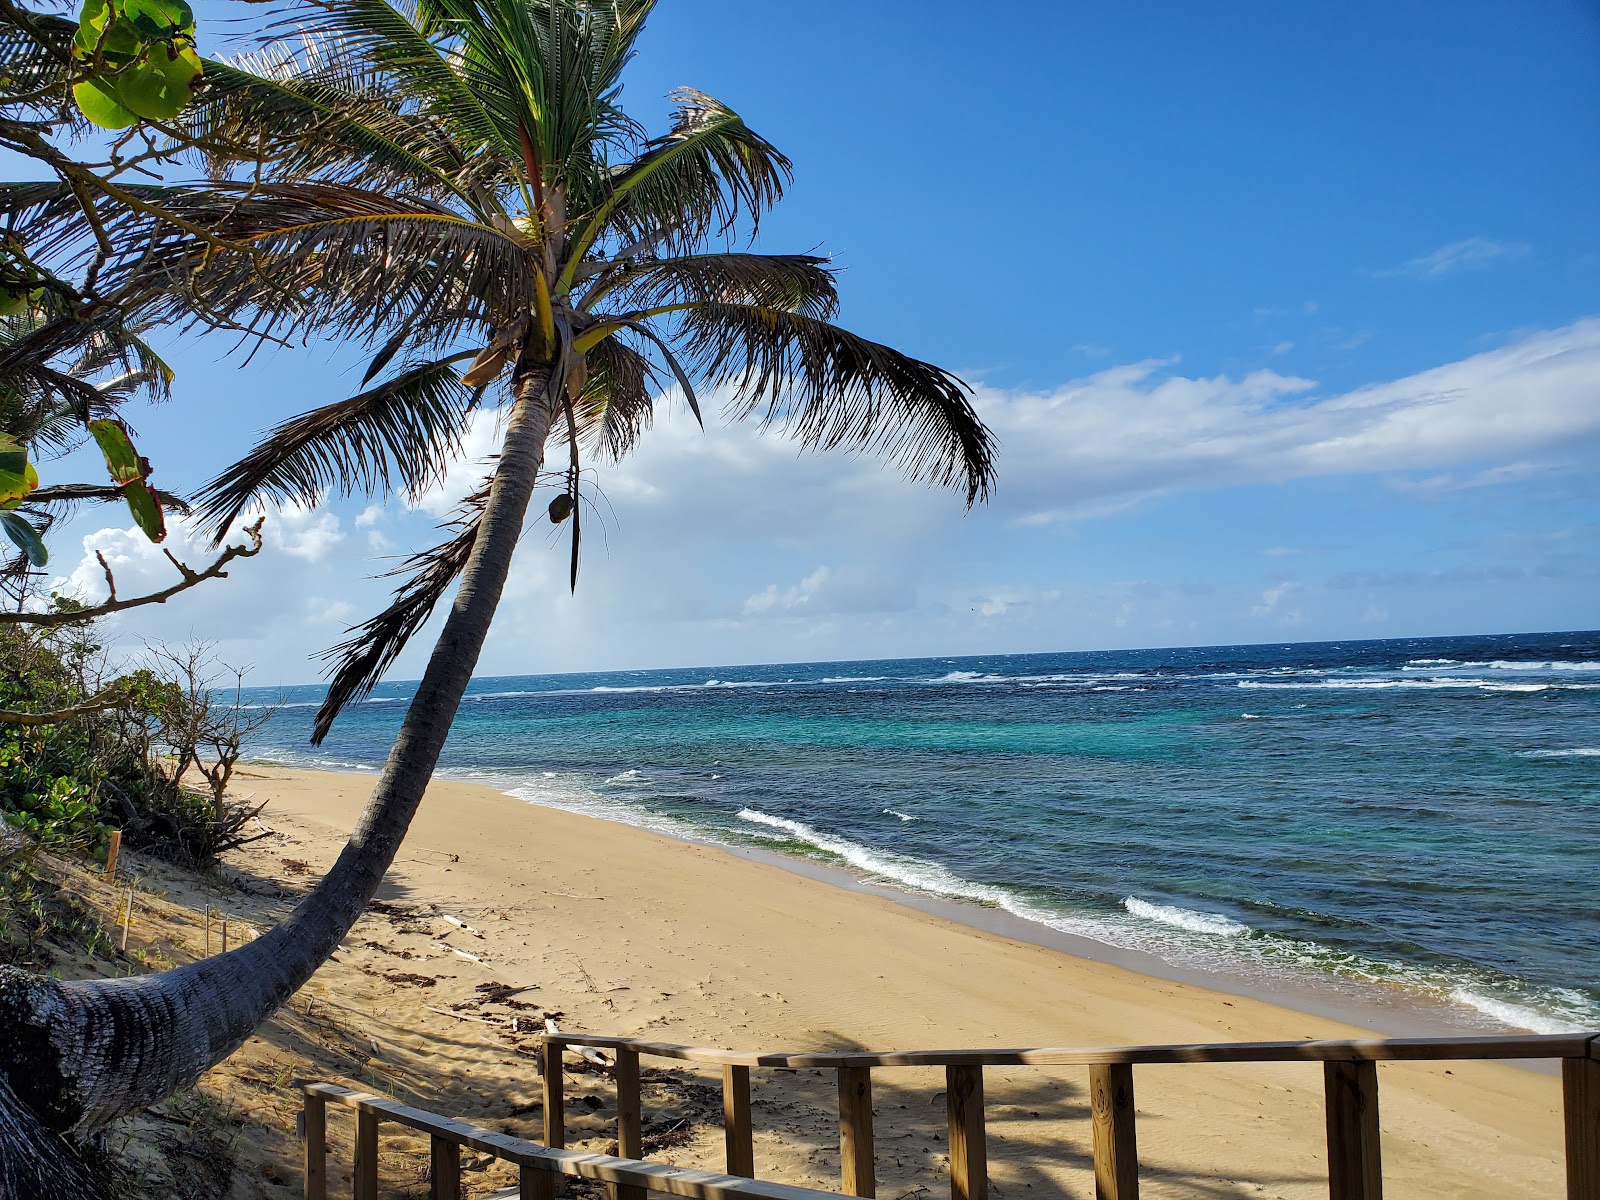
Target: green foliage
18	479
139	60
130	471
65	785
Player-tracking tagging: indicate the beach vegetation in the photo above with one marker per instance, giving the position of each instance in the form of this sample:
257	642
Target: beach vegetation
148	751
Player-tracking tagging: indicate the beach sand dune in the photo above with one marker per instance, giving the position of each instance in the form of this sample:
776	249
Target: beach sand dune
619	931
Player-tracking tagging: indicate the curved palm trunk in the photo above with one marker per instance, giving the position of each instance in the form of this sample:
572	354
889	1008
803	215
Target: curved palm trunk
79	1054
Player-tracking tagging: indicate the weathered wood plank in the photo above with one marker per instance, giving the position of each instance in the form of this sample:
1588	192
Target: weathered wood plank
857	1165
1116	1144
969	1143
366	1164
555	1094
535	1184
630	1118
444	1167
1580	1079
737	1133
552	1164
316	1131
1355	1161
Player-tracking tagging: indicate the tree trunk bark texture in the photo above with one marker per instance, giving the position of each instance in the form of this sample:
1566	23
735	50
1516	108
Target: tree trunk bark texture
82	1053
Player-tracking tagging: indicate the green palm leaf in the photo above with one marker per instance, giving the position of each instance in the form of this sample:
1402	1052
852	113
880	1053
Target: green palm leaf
830	388
403	433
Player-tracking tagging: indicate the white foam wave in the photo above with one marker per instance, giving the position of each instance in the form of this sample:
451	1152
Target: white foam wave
1546	667
1251	717
1580	752
1378	685
854	679
903	816
1183	918
909	872
1520	1016
633	776
688	687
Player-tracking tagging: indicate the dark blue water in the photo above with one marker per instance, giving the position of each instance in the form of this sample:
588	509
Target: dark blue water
1417	814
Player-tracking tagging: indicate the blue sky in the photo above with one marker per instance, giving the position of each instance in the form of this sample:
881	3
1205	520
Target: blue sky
1283	314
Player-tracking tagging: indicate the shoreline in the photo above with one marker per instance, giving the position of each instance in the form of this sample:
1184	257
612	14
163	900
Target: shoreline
615	930
1386	1010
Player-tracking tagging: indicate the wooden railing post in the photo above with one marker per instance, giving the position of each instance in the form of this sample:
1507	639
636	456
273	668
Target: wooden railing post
444	1168
316	1131
535	1184
1580	1080
1116	1145
366	1166
555	1114
857	1167
1355	1163
969	1147
555	1095
736	1131
630	1118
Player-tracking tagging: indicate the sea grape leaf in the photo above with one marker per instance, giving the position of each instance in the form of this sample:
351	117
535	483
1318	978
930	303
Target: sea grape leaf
146	509
158	88
122	460
17	476
159	19
25	537
97	100
141	59
129	472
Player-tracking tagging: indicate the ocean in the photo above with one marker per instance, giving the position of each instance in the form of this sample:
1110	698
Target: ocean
1405	818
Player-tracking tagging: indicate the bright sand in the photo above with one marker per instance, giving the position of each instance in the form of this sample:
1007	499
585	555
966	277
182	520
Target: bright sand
630	933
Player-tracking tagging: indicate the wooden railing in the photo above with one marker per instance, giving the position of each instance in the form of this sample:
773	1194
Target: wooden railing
541	1168
1350	1084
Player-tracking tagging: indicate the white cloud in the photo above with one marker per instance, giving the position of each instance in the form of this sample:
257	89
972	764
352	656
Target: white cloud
305	533
1134	431
705	547
1467	253
792	598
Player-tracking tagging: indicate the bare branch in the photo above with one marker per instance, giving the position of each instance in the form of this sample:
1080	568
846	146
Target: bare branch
115	696
190	579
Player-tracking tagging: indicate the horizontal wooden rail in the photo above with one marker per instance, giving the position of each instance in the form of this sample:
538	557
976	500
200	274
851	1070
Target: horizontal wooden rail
534	1160
1531	1046
1350	1085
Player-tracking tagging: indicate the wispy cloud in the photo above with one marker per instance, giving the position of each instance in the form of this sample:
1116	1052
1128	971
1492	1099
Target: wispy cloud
1469	253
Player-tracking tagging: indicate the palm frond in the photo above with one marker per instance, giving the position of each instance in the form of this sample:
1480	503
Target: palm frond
617	403
358	663
64	497
800	283
694	181
829	388
385	37
308	115
403	432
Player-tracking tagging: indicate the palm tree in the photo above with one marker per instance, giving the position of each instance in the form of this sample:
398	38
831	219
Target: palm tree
454	184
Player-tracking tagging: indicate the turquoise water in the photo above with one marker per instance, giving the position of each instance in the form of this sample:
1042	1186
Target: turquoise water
1421	815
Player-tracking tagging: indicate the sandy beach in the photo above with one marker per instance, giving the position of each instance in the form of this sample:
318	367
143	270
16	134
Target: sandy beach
620	931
